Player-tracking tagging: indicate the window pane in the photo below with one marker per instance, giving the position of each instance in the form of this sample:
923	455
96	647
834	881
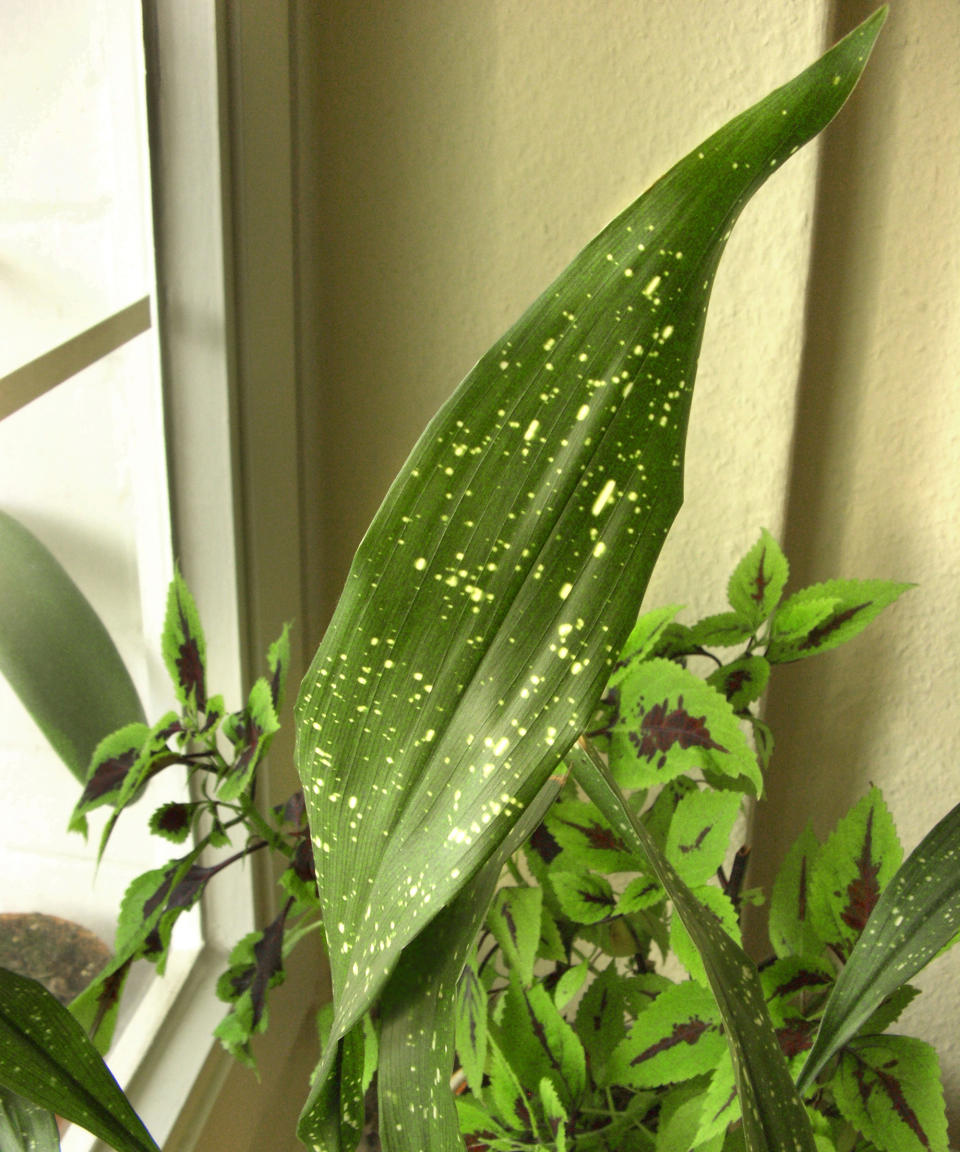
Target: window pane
73	197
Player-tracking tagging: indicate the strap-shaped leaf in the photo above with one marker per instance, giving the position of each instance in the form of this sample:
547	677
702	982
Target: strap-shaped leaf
26	1127
45	1056
774	1117
501	576
77	691
917	915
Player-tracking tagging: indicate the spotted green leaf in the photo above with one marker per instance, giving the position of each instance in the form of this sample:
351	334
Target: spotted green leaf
915	917
25	1127
774	1117
46	1057
486	607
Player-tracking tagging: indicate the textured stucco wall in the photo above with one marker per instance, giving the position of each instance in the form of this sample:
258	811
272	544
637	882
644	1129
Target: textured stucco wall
875	477
468	150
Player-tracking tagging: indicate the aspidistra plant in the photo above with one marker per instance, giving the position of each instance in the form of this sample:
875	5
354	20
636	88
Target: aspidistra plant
494	591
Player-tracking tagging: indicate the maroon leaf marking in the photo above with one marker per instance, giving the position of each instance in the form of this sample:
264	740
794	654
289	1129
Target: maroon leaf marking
803	979
109	995
688	1032
509	921
544	844
817	635
109	775
797	1036
760	581
863	891
701	836
174	818
893	1089
190	665
303	864
268	952
604	839
660	730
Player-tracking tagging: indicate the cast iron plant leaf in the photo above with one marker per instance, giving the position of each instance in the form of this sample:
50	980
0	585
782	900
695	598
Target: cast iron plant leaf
501	577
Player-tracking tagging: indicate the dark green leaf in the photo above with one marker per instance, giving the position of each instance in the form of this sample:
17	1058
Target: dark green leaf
773	1113
917	915
26	1127
45	1056
888	1088
485	607
79	692
854	603
758	581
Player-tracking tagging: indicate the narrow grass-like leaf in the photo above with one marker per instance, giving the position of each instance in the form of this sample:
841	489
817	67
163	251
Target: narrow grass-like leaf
774	1118
46	1057
501	577
916	916
26	1127
56	652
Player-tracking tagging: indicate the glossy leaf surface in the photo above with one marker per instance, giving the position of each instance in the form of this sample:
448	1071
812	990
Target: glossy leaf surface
502	575
46	1057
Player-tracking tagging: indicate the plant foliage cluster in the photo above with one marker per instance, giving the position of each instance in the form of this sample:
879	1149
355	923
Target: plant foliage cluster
485	703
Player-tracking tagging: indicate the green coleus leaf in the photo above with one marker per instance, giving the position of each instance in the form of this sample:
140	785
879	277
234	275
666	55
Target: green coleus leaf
790	925
585	897
485	607
600	1019
46	1057
278	665
676	1038
888	1088
174	820
539	1043
471	1027
916	916
555	1113
851	870
852	605
184	647
250	732
670	723
77	692
720	1105
700	832
758	581
479	1128
116	755
586	839
514	920
25	1127
796	986
642	641
741	681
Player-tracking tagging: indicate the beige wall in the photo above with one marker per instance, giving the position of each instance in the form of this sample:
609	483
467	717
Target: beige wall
452	155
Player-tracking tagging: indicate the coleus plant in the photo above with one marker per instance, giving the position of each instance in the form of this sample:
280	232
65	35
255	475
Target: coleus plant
482	618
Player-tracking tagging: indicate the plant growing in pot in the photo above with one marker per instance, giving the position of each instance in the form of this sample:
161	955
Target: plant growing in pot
486	609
